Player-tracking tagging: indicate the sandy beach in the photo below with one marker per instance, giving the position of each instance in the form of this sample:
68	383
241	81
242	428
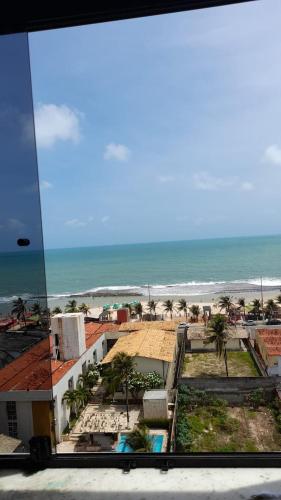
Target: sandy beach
96	303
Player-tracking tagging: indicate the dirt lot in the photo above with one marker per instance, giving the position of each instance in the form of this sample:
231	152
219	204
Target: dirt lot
207	364
240	429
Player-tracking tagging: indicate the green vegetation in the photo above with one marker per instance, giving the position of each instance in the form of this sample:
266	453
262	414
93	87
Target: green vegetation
84	308
182	306
207	424
19	309
56	310
169	307
156	423
139	439
207	364
195	311
151	306
218	330
226	304
71	306
143	382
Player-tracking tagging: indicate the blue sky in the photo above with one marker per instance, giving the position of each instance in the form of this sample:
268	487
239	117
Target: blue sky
160	128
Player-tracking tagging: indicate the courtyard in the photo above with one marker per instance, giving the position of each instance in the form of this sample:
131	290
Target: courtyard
208	364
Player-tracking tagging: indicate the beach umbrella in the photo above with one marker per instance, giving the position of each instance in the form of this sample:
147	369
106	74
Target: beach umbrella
115	306
106	307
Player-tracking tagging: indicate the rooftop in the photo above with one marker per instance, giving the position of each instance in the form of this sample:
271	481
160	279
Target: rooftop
155	394
154	344
133	326
35	370
271	339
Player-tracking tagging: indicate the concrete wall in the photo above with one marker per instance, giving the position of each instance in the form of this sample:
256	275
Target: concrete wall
60	409
233	389
70	329
198	345
155	408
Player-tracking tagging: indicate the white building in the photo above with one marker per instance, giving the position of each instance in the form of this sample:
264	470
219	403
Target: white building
198	335
33	385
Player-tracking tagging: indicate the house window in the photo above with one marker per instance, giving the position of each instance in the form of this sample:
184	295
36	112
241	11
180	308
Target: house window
12	418
95	358
84	368
70	384
57	340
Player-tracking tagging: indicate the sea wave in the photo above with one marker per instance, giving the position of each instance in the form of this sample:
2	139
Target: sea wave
188	288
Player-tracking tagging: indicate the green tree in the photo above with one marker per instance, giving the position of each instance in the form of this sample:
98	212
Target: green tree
84	308
19	309
153	380
71	306
89	379
56	310
182	306
271	308
256	308
151	305
71	400
278	299
195	311
169	307
140	440
123	367
82	395
139	310
242	304
37	309
136	383
218	329
225	303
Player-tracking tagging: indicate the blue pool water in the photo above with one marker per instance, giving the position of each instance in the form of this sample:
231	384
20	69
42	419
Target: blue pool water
123	447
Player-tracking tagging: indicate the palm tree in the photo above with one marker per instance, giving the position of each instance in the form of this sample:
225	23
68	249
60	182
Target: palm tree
278	299
271	308
71	306
139	310
195	311
169	307
19	308
151	305
36	309
242	303
123	367
225	303
82	395
128	306
218	330
183	307
139	439
257	309
89	379
70	397
57	310
84	308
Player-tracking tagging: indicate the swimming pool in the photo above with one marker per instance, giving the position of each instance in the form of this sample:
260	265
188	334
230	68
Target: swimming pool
123	447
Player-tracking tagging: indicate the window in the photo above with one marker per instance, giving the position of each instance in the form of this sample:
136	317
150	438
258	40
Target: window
95	356
84	368
70	384
12	418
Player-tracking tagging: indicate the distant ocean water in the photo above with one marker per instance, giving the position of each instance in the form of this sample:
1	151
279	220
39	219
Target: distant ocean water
181	268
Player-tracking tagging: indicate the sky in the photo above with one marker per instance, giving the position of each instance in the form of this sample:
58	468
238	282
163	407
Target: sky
161	128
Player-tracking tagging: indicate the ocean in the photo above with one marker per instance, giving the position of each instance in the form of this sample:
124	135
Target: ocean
171	269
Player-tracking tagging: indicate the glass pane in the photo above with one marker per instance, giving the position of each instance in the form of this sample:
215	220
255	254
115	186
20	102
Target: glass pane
25	366
159	156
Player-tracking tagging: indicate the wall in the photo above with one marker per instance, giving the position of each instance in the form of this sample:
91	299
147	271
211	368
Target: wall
232	345
61	411
233	389
155	408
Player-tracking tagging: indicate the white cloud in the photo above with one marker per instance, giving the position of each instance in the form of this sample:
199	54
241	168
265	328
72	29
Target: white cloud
165	178
56	123
273	154
118	152
247	186
206	182
46	185
105	218
75	223
79	223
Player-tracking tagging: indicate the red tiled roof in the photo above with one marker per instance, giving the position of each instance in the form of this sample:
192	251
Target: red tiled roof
35	370
271	339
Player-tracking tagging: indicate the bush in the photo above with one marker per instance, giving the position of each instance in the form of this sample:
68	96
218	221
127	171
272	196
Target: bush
156	423
183	433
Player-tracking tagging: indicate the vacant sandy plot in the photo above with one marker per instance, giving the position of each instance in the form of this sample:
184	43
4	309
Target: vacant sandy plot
207	364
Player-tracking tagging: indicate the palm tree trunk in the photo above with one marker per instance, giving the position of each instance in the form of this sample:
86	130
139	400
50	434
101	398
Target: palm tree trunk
171	314
186	316
127	403
225	362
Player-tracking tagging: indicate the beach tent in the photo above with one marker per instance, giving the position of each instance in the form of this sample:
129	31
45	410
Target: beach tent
106	307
